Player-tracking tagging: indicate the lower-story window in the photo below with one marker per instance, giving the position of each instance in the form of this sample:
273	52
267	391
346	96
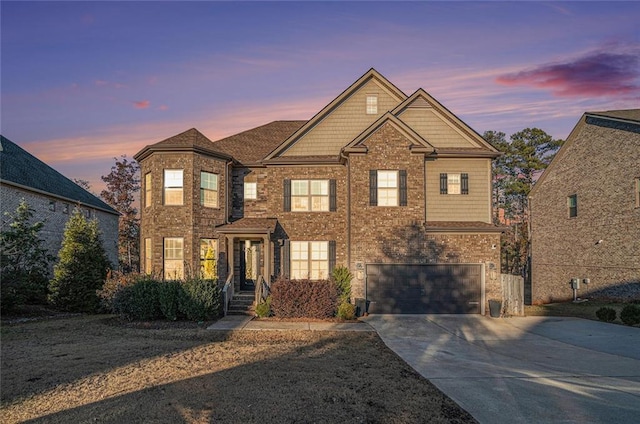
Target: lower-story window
309	259
208	259
148	265
173	258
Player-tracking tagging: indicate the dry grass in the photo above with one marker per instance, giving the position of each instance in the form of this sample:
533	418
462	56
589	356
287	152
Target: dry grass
93	369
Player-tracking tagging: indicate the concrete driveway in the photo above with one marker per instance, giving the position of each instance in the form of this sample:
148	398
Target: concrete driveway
523	370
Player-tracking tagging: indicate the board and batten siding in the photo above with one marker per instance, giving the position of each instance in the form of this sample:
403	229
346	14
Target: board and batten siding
342	125
475	206
434	128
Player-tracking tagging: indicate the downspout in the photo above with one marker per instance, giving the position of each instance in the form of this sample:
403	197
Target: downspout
226	192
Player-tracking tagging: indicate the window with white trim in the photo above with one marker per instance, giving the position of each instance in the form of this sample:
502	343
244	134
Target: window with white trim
208	189
387	188
309	195
250	191
454	183
309	259
372	104
148	264
173	258
173	187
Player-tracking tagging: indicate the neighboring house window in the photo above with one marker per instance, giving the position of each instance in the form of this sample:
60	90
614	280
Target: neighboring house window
87	213
173	258
147	189
52	205
372	104
173	187
387	188
309	259
309	195
208	256
637	184
572	202
454	183
148	266
209	189
250	191
65	208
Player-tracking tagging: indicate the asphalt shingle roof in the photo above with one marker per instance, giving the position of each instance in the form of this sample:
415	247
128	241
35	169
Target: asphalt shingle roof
19	167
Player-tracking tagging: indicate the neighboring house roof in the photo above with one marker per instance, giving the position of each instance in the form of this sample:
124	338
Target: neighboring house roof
251	146
20	168
621	120
191	140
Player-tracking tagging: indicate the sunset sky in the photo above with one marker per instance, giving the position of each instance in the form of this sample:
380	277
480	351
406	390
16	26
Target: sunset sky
84	82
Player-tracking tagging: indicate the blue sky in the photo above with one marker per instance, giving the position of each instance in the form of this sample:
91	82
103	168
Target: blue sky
83	82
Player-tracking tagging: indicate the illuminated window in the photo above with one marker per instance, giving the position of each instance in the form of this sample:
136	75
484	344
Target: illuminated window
209	189
250	191
173	258
147	189
148	266
454	183
387	188
372	104
173	187
309	259
208	258
309	195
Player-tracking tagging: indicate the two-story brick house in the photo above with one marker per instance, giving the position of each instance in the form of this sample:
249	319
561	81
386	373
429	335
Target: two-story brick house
395	187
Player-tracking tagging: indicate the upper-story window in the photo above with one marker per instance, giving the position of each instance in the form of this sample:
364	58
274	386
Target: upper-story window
309	195
572	204
209	189
454	183
173	187
250	191
388	187
372	104
147	189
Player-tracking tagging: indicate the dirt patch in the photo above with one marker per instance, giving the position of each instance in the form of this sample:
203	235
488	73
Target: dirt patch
95	369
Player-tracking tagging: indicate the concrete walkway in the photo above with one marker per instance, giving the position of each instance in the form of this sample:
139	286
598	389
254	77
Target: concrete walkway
243	322
523	370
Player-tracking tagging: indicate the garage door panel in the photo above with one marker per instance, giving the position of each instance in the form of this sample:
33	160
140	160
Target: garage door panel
419	289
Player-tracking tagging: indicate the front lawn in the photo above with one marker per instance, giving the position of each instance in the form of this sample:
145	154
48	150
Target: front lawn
586	310
94	369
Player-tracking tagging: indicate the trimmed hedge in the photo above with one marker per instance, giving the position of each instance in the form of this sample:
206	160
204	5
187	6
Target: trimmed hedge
303	298
606	314
630	314
144	299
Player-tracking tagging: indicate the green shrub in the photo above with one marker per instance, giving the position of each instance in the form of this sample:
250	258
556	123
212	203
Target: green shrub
199	299
168	298
346	311
342	278
303	298
606	314
630	314
263	309
115	282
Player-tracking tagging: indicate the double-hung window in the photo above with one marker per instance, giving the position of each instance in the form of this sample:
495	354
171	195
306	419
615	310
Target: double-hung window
372	104
173	187
173	258
309	259
209	189
309	195
148	264
387	188
454	183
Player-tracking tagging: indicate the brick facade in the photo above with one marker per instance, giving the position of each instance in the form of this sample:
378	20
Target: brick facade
598	163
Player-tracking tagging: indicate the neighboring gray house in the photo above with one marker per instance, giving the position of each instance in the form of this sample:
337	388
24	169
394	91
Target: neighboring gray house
585	211
52	196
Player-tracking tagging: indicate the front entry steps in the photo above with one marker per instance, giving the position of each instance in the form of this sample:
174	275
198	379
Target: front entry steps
242	304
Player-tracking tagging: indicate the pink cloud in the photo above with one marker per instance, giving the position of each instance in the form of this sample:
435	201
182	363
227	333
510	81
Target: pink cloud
163	107
142	104
594	74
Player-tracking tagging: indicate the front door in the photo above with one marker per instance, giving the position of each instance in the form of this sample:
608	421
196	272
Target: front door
250	266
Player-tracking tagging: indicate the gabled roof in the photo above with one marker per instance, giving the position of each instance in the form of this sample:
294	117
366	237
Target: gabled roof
371	74
622	120
462	128
421	145
251	146
20	168
191	140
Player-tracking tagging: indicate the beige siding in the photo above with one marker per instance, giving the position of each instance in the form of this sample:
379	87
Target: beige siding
343	124
475	206
435	128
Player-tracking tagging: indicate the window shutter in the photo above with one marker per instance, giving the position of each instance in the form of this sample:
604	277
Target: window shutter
286	262
287	195
332	256
443	183
464	183
373	187
402	174
333	205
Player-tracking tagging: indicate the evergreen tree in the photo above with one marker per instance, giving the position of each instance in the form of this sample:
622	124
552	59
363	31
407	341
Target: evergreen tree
82	266
24	261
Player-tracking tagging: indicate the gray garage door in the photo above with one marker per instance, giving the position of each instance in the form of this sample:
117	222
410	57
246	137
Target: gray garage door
424	289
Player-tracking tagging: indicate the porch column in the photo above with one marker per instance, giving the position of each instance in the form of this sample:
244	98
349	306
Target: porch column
266	242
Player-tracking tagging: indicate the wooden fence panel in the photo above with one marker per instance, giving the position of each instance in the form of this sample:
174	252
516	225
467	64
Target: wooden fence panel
512	295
